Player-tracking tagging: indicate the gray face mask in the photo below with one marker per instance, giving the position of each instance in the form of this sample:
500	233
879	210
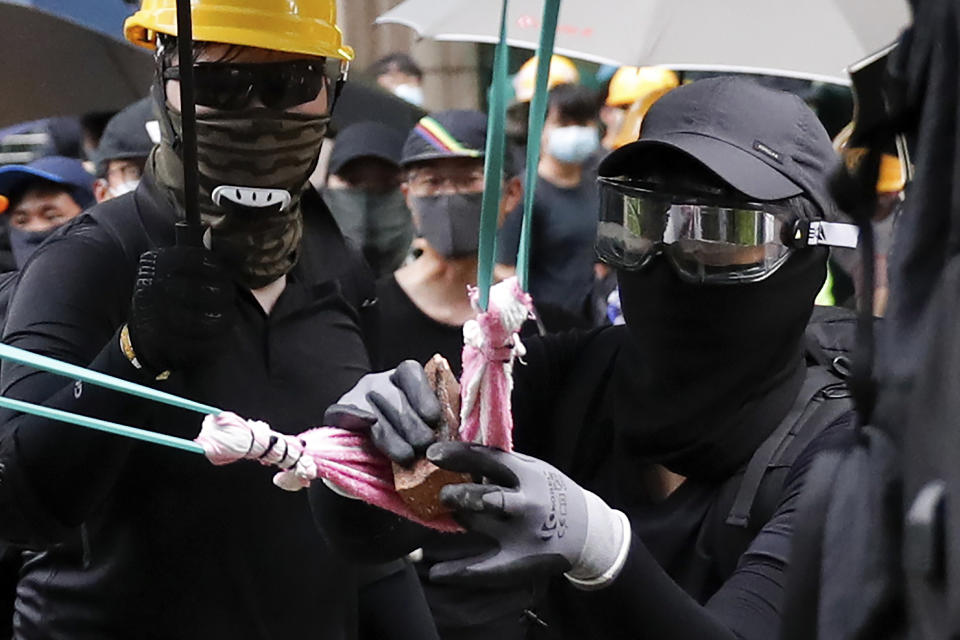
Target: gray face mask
450	222
378	222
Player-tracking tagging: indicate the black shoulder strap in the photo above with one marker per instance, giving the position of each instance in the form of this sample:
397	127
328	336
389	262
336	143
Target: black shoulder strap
822	399
128	230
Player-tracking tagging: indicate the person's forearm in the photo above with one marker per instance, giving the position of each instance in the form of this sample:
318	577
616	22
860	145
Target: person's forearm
644	600
67	468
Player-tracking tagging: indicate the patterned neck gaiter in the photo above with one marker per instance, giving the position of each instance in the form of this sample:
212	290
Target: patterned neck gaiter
255	148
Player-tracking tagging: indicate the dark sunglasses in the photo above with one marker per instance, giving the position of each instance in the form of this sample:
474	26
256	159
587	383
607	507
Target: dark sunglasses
231	86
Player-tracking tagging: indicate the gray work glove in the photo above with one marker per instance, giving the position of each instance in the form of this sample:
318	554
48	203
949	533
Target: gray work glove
542	521
397	408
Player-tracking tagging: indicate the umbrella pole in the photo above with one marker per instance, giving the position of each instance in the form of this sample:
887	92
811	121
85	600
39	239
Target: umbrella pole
189	231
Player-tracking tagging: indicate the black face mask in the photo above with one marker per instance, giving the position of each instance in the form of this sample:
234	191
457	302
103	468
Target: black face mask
24	243
450	222
718	365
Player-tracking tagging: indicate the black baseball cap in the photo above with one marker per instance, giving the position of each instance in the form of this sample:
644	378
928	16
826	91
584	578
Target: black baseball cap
130	134
447	134
366	139
766	143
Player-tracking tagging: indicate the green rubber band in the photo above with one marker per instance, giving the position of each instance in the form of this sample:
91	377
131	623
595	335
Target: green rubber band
102	425
538	113
37	361
493	167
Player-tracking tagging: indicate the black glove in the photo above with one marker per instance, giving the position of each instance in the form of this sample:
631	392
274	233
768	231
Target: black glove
397	407
183	308
543	522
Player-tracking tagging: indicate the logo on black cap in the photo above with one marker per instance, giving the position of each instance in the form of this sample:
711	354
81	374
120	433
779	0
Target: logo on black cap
767	151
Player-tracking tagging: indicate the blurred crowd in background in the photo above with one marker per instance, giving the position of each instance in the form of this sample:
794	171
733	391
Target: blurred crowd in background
57	167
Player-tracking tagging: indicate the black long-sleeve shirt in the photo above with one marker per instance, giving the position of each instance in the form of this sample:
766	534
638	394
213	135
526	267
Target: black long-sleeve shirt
688	574
132	540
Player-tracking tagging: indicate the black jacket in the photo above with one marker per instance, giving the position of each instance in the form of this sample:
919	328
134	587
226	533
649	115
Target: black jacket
137	541
687	575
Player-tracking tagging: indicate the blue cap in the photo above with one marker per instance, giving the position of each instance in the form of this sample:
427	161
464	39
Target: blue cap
57	169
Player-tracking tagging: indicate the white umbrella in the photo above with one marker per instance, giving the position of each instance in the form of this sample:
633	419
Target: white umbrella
810	39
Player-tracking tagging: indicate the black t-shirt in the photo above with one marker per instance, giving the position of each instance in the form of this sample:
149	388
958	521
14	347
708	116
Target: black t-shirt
561	247
140	541
407	333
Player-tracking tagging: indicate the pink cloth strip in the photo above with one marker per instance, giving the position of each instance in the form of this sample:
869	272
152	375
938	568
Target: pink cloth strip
490	345
346	459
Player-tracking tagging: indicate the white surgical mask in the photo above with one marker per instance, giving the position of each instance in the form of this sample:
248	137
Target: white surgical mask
573	144
410	92
122	188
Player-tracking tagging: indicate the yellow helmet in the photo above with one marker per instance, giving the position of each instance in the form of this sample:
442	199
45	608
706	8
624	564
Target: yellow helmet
892	176
630	84
630	127
295	26
562	71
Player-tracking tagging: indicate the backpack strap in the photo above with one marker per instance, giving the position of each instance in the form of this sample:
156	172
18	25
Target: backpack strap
127	230
822	399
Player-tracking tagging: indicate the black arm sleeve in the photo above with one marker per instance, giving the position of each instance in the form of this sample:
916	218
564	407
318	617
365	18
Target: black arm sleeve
68	305
392	605
538	378
645	601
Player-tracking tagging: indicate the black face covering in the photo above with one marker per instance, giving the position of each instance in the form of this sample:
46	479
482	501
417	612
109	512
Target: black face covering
24	243
450	222
715	368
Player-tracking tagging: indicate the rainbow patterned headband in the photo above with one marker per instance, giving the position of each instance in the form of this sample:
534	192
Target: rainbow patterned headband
439	138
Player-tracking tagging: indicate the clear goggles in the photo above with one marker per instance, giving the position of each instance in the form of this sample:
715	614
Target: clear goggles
705	241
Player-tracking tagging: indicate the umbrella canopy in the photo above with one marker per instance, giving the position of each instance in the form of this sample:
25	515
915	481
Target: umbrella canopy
813	39
67	57
363	101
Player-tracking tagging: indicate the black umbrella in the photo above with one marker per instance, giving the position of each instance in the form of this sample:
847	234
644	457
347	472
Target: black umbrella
190	231
363	101
67	57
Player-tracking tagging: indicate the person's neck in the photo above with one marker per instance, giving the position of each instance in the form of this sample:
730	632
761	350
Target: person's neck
268	295
560	174
438	285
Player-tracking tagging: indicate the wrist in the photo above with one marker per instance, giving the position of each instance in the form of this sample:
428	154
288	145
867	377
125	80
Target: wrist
606	546
126	347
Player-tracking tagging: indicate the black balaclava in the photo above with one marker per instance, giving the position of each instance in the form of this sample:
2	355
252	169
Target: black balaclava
718	365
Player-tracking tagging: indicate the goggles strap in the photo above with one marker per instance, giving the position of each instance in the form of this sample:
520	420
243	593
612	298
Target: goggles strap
820	233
